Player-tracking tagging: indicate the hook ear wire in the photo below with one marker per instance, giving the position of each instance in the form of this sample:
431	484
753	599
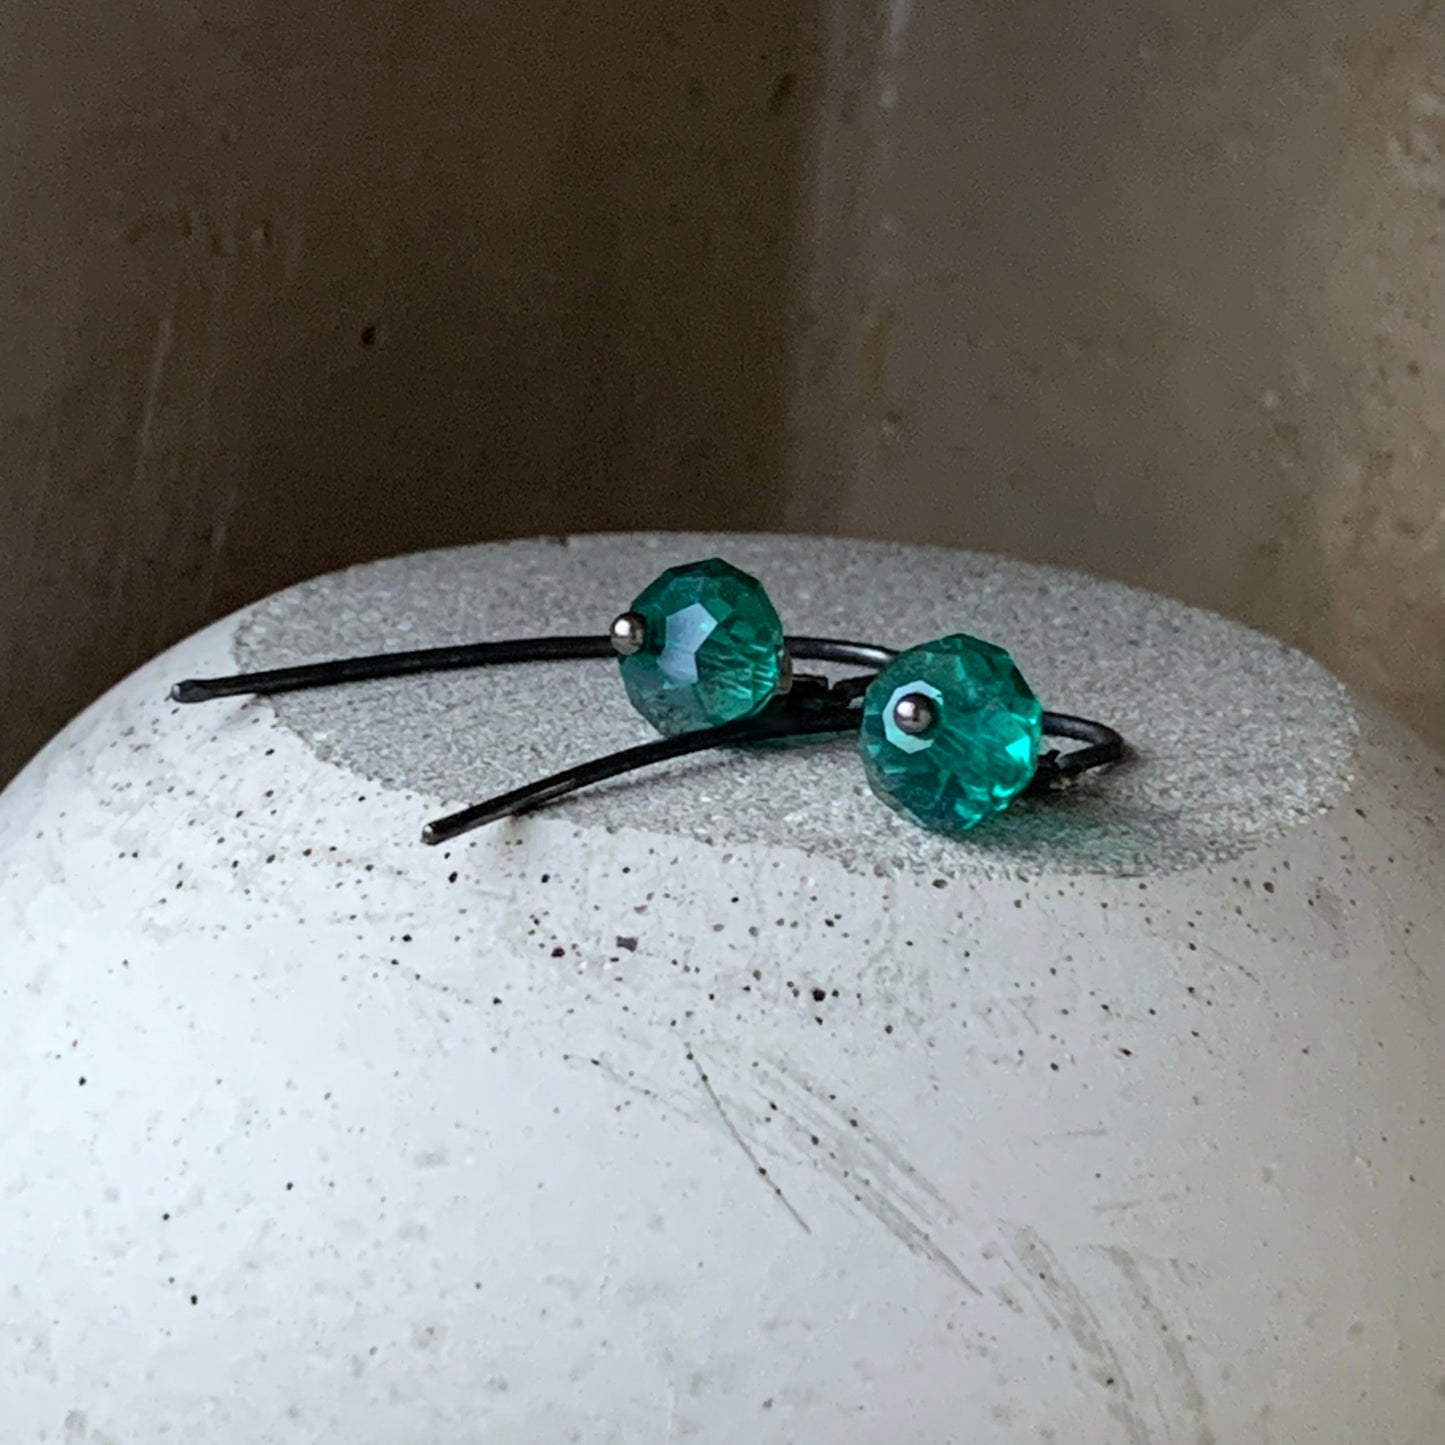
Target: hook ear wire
808	708
393	664
476	654
794	715
807	711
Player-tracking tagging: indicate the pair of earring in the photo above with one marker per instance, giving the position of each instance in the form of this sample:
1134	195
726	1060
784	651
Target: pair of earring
948	731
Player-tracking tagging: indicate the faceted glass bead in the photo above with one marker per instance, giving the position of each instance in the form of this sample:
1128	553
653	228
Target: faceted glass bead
981	749
712	648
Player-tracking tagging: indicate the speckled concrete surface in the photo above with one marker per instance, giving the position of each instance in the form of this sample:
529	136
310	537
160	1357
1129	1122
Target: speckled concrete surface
1237	736
596	1134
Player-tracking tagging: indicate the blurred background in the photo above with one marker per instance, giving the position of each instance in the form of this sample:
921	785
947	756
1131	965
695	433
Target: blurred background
1148	289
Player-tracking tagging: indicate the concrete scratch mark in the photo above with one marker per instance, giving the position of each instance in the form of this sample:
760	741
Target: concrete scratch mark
31	528
1124	1206
159	633
900	12
1065	1306
1385	913
1023	1007
608	1260
915	1240
743	1144
1388	914
875	1174
1191	1398
1224	960
810	1103
145	436
224	500
622	1082
671	1414
295	246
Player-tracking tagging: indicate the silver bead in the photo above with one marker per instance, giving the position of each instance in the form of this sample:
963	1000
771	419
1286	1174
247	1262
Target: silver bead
915	713
628	633
785	676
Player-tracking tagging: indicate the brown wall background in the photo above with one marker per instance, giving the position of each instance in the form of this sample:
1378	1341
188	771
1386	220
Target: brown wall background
1149	289
288	284
1153	288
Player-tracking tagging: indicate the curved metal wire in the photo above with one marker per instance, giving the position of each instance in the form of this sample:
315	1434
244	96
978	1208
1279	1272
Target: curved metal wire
476	654
774	722
812	707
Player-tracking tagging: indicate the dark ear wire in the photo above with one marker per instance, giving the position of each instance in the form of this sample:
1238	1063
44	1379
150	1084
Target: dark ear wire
1104	747
810	709
475	654
392	664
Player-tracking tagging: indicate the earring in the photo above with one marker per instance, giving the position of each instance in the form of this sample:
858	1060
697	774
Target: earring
949	732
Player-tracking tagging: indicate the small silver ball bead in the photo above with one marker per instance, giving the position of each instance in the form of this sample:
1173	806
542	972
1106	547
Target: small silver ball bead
628	633
915	713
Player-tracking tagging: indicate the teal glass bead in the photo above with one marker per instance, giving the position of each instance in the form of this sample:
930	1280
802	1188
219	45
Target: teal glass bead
712	648
965	744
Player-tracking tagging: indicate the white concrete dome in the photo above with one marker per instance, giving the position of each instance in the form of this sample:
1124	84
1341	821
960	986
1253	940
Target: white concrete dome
720	1104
